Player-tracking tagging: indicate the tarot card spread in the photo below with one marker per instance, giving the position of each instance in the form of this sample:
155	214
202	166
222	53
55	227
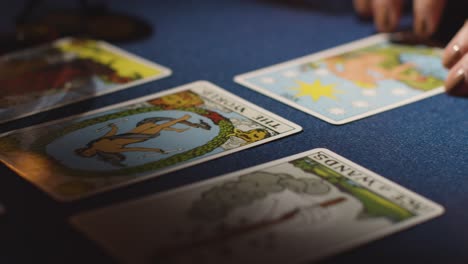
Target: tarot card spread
353	81
142	138
67	71
296	209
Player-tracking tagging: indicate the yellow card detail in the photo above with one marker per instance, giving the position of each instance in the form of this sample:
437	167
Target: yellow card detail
122	64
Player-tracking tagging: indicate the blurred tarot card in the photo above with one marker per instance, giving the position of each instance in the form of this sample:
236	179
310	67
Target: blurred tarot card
66	71
146	137
296	209
353	81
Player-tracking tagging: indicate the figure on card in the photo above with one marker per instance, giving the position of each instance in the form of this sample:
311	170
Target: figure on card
110	146
177	100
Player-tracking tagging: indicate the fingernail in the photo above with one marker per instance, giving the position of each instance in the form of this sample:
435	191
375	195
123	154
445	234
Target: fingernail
368	5
423	29
386	21
457	82
455	55
364	10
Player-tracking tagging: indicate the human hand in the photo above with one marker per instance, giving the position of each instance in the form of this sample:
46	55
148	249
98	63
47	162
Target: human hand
455	58
387	13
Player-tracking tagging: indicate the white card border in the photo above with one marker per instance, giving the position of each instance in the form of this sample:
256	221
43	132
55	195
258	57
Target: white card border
361	43
294	129
164	72
339	248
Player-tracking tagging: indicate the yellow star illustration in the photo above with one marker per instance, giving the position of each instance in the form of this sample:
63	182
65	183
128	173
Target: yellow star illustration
316	90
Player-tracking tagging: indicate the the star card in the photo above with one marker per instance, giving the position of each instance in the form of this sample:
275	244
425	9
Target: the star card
146	137
353	81
293	210
67	71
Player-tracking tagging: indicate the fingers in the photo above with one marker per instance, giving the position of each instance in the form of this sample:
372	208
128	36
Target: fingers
427	14
457	79
363	7
386	14
455	57
456	48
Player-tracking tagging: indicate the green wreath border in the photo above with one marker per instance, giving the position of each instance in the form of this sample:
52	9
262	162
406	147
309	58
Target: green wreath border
226	128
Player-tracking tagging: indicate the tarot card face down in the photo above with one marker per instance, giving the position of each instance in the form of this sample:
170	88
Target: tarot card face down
142	138
353	81
292	210
67	71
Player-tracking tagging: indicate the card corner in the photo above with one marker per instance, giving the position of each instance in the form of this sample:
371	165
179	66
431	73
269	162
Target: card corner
238	78
202	82
337	123
322	149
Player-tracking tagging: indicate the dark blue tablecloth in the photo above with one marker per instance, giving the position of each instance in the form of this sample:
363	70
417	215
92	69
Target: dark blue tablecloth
422	146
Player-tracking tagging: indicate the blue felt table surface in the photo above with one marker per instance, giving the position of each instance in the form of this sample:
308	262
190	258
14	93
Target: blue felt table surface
422	146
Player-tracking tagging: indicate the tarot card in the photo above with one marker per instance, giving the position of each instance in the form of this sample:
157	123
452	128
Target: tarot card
353	81
146	137
67	71
297	209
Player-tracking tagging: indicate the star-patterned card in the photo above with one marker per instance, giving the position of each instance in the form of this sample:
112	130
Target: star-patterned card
353	81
